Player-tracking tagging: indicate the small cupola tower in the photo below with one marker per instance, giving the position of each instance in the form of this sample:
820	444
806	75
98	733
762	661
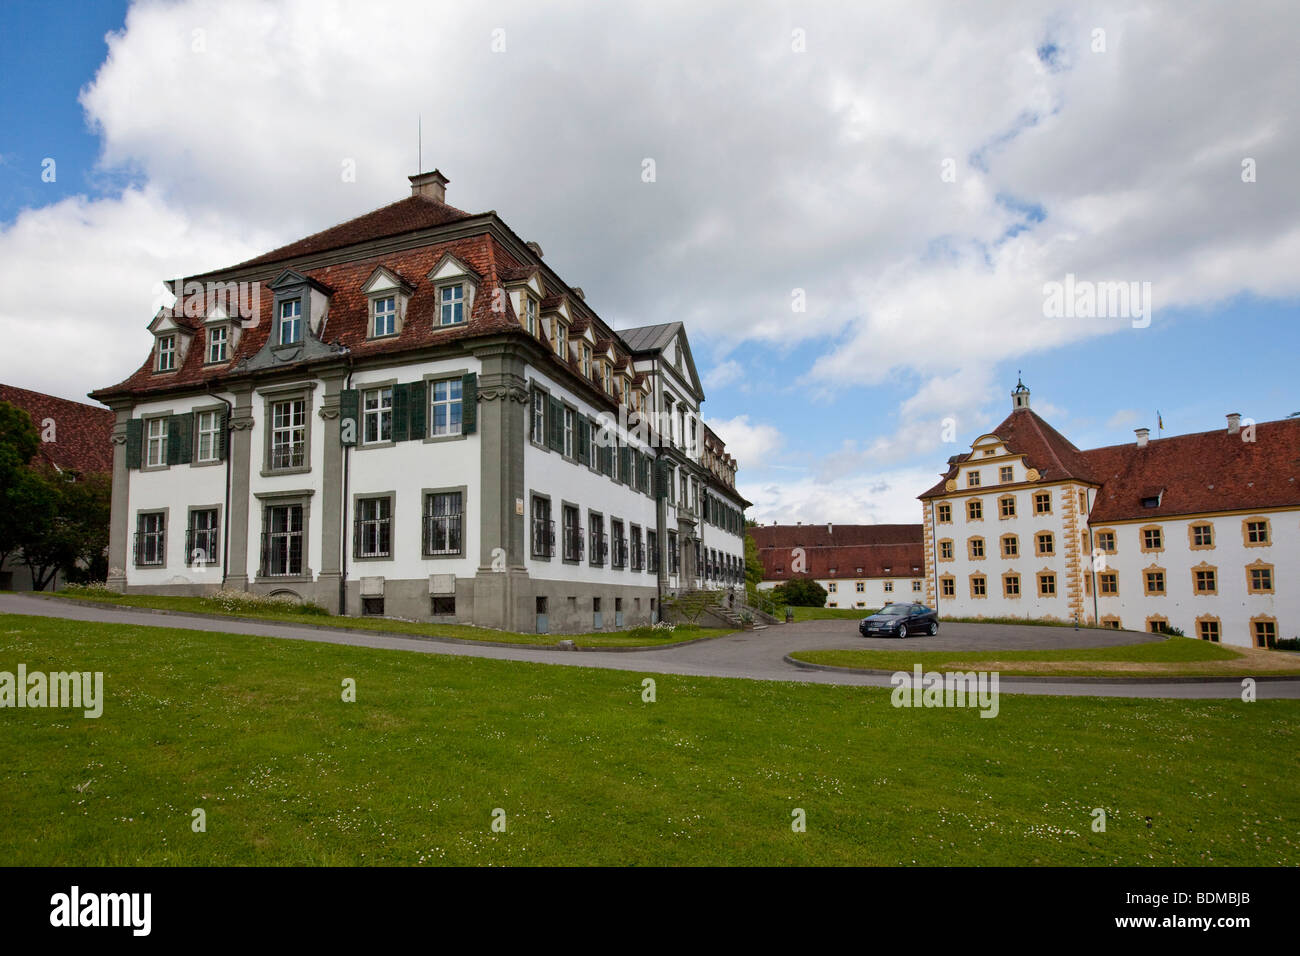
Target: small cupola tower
1019	397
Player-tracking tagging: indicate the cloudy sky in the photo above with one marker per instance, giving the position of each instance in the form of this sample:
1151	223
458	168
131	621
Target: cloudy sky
856	209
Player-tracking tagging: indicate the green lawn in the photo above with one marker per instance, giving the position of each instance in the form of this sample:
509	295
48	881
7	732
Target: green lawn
829	613
253	731
636	637
1173	657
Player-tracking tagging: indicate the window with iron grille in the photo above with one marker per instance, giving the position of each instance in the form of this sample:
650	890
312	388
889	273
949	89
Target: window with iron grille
599	544
289	434
282	541
443	519
573	534
151	540
201	538
652	551
543	528
674	554
637	549
373	535
618	554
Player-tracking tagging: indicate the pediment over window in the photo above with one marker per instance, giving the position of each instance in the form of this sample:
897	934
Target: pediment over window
451	267
386	280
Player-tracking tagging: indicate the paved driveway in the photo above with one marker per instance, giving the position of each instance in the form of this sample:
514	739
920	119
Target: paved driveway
756	655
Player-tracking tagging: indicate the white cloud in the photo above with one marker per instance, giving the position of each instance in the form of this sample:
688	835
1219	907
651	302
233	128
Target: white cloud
723	374
752	445
879	497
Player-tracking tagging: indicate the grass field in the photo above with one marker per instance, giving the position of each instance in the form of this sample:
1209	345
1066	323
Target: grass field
831	613
636	637
1173	657
253	731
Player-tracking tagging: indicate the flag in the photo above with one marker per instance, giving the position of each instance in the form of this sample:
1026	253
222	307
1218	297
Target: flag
1160	422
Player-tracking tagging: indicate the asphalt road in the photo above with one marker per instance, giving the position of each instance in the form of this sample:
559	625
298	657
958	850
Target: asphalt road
754	655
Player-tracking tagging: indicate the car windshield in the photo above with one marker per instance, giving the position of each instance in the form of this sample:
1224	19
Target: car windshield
895	610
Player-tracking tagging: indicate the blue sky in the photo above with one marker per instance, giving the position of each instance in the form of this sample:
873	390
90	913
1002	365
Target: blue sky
778	171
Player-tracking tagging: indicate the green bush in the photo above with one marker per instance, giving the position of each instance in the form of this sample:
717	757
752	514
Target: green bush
801	592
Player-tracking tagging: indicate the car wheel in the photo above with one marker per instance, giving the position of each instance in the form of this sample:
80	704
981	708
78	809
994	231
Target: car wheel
902	630
934	628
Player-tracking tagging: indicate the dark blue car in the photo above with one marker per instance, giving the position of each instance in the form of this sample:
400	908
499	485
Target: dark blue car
900	620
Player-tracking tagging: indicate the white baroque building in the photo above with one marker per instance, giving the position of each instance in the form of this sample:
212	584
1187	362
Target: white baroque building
1196	532
411	414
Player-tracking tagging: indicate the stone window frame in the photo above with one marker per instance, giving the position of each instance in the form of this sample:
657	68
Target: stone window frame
1245	531
1142	539
1156	619
1111	536
293	496
463	491
469	289
189	526
228	343
947	586
1203	567
973	504
166	532
1003	501
565	504
971	545
361	389
1111	621
983	580
533	497
1192	527
568	409
372	313
1250	577
1039	550
1105	577
1007	578
271	395
951	549
1002	546
429	379
145	419
1006	474
1038	497
173	351
593	560
357	498
299	295
940	509
1255	623
973	478
1147	590
1218	628
199	410
1042	577
535	390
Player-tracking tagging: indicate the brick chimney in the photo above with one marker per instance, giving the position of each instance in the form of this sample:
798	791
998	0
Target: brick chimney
1234	422
828	528
1143	434
430	185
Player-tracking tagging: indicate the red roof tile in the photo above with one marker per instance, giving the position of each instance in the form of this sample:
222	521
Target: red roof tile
840	535
876	561
81	432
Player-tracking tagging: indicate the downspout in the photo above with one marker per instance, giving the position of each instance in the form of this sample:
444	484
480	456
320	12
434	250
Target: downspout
1092	567
225	518
343	505
934	550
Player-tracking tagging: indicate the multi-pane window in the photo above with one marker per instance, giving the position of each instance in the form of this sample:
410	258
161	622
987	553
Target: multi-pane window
889	587
674	553
1265	633
374	531
944	513
572	533
860	587
452	304
543	528
1256	532
290	322
208	431
166	353
385	316
599	545
607	372
586	360
217	339
978	585
976	547
1202	536
593	450
1046	543
916	585
1108	583
201	538
945	550
975	510
1205	581
972	479
1260	578
832	587
1208	630
637	553
569	423
289	434
282	541
1010	546
1043	503
1047	584
652	550
446	406
1005	474
1007	507
443	521
377	415
1011	585
1106	541
618	546
1153	539
948	587
538	432
150	539
561	339
530	314
156	443
1154	579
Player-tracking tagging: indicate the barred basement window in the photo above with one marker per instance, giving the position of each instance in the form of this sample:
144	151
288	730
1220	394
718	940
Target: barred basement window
372	606
442	606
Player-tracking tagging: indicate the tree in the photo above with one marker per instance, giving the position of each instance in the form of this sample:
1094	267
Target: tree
66	526
802	592
753	564
19	441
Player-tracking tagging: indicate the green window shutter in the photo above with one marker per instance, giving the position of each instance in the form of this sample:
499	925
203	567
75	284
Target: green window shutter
555	412
349	423
134	442
223	424
625	466
419	402
469	400
180	439
584	440
401	413
661	479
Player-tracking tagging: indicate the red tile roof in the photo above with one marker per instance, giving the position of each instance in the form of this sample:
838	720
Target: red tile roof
845	547
840	535
81	432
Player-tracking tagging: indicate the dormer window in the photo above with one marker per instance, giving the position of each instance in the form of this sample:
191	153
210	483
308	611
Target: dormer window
609	384
218	340
530	314
385	316
561	339
166	353
452	300
586	360
290	322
